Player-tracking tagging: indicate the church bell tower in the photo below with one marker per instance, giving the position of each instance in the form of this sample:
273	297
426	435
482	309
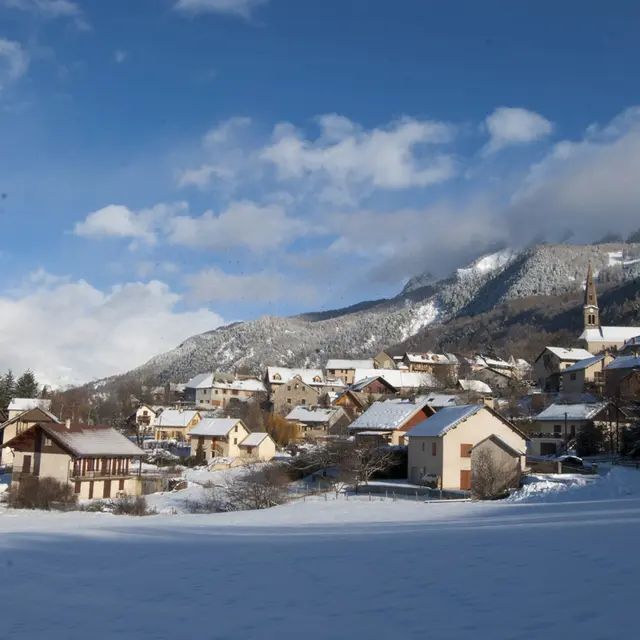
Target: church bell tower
590	308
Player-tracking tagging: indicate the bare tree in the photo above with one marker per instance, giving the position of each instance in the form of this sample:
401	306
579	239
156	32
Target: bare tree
490	479
365	460
262	487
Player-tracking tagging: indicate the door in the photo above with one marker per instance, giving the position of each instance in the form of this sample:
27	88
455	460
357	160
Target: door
26	464
91	490
465	480
107	489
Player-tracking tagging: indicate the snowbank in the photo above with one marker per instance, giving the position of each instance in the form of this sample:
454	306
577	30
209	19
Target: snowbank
619	482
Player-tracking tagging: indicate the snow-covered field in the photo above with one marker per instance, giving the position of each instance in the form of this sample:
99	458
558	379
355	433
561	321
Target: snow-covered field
356	568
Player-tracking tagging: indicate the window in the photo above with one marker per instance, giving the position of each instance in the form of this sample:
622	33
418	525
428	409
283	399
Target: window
235	392
297	386
423	446
121	485
47	442
145	413
465	450
557	429
289	388
574	376
235	428
288	400
434	449
303	401
235	441
249	450
76	487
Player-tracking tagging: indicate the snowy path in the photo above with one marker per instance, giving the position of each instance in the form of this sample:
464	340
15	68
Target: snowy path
315	570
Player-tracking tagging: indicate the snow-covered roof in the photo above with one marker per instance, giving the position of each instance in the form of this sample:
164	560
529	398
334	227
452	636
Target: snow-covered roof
334	382
576	411
250	385
431	358
570	354
631	342
312	414
610	334
387	416
489	362
475	385
349	364
444	420
254	439
362	384
625	362
214	427
201	381
584	364
280	375
174	418
397	378
439	400
26	404
90	441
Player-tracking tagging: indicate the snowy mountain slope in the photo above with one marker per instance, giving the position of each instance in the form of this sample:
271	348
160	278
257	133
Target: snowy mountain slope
358	331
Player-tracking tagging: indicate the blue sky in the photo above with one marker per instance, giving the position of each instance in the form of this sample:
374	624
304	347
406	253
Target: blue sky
169	165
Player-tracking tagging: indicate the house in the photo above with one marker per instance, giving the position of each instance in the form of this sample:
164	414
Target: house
390	420
475	386
345	369
585	375
618	376
440	447
315	422
384	361
20	405
507	462
221	393
375	386
95	460
442	365
230	438
354	404
595	337
560	423
295	392
21	421
552	361
401	379
439	401
276	377
144	416
175	424
630	347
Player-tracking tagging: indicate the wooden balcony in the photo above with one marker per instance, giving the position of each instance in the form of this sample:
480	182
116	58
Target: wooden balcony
99	474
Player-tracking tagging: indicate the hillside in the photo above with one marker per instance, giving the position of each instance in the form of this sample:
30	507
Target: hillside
498	299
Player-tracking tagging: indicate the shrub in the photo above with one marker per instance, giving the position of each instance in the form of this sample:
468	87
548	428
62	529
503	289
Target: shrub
41	493
132	506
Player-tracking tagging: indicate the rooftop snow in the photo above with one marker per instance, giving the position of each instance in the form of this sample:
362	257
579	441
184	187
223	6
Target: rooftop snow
201	381
387	415
584	364
441	400
174	418
349	364
624	362
610	334
475	385
214	427
254	439
241	385
570	354
358	386
444	420
397	378
280	375
312	414
431	358
90	441
26	404
578	411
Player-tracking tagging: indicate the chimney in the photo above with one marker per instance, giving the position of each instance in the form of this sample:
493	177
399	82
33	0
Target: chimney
67	423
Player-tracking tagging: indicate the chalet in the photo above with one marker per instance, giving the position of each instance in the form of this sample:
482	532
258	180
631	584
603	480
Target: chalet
175	424
345	369
444	365
96	460
315	422
230	438
21	421
390	420
552	362
440	447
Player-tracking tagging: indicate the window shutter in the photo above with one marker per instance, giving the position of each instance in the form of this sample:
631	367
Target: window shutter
465	450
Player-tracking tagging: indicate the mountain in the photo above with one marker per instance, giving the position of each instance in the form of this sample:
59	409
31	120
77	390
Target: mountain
504	284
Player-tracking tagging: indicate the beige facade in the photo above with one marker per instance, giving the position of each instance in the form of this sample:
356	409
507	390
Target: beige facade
507	462
447	457
17	423
553	361
175	424
264	451
220	438
293	393
579	379
384	361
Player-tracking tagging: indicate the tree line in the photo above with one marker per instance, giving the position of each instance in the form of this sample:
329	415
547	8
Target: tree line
25	386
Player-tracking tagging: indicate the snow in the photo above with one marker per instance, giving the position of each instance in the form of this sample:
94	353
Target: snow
312	414
475	385
487	264
85	440
174	418
574	411
214	427
610	334
444	420
348	364
26	404
320	570
616	258
570	354
387	415
396	378
625	362
422	316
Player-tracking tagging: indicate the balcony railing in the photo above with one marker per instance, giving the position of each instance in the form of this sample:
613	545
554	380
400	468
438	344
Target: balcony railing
99	473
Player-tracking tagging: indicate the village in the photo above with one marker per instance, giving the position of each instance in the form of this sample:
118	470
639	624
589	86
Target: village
437	424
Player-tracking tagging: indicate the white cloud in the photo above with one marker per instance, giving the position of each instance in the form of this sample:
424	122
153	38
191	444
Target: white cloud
513	126
120	56
346	158
14	62
147	268
242	8
225	131
70	332
118	221
245	223
203	176
214	285
50	10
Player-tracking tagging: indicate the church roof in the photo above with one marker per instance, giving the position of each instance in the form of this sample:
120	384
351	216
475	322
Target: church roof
610	334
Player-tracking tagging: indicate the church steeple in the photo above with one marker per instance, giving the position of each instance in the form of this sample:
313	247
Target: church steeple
590	309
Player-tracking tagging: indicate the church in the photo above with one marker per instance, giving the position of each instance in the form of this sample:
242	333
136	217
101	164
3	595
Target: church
596	338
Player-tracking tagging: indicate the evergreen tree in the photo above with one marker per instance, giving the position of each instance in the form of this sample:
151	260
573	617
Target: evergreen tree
27	385
200	455
7	389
